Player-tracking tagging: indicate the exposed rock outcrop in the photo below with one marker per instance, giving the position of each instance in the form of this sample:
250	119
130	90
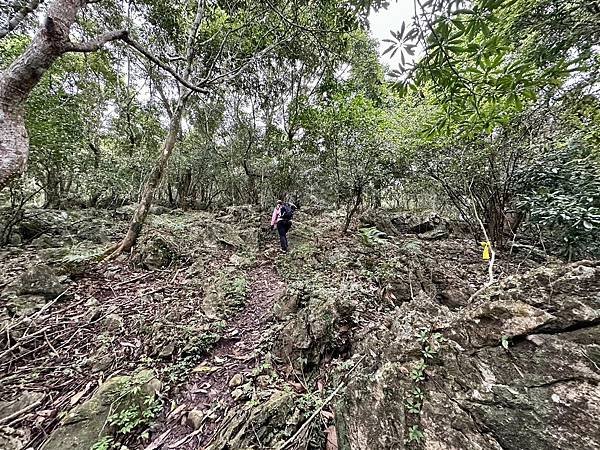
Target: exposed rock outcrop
518	369
32	290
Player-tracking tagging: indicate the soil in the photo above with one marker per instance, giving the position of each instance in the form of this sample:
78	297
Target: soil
237	353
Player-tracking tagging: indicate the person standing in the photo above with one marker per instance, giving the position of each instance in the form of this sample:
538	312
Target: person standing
282	219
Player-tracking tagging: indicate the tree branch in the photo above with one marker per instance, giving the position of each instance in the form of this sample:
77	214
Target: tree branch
136	45
97	43
16	20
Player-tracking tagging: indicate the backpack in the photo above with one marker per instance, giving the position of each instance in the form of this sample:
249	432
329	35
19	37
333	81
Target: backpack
286	212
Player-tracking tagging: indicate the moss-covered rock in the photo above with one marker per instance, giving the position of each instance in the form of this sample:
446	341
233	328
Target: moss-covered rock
156	251
224	294
321	326
87	423
32	290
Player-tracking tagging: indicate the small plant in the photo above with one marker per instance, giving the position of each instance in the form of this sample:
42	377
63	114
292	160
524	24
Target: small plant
417	374
413	406
423	336
428	352
415	434
103	444
134	408
415	402
418	393
136	415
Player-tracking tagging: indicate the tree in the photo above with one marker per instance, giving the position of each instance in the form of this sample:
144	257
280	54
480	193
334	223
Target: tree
50	42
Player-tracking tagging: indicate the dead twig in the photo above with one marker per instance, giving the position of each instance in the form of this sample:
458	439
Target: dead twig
22	411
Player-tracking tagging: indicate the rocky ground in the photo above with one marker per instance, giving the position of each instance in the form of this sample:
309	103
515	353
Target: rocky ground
208	337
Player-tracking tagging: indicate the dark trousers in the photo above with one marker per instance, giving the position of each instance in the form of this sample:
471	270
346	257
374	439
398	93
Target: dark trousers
283	226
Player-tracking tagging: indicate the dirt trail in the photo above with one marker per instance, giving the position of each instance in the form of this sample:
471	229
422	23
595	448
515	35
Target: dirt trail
237	353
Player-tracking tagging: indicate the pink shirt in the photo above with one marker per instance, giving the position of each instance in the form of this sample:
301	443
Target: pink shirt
275	216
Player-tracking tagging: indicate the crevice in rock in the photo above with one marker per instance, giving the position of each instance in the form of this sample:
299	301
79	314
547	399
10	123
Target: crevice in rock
564	380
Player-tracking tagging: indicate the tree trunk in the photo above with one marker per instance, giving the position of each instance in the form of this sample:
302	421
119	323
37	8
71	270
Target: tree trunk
351	210
151	186
19	79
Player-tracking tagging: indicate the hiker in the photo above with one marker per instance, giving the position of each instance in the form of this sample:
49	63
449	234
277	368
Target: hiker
282	218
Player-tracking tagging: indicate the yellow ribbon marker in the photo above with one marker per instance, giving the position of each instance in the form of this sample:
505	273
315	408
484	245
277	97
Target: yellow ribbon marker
486	250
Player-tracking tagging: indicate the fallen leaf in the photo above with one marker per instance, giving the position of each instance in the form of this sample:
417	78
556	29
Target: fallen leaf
173	414
75	399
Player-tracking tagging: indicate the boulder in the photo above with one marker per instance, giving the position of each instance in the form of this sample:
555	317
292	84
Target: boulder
236	380
224	295
14	439
46	241
113	322
32	290
429	225
15	240
80	260
223	234
24	305
323	326
24	401
126	211
517	369
195	418
156	252
37	222
40	280
87	423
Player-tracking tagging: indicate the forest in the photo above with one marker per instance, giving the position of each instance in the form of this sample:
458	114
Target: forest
442	286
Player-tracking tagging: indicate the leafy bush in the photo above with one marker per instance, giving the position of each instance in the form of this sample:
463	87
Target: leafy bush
562	195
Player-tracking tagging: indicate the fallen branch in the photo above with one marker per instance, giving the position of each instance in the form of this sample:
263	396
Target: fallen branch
156	444
25	410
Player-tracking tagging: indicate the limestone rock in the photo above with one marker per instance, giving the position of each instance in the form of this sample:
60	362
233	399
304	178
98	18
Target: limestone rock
195	418
40	280
156	252
86	423
236	380
24	400
113	322
223	234
266	424
322	327
32	290
167	350
224	295
15	240
13	439
435	234
25	305
45	241
515	370
36	222
80	260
